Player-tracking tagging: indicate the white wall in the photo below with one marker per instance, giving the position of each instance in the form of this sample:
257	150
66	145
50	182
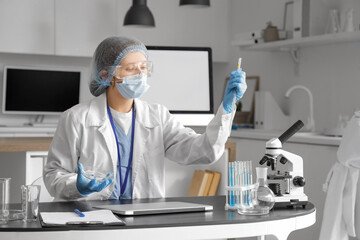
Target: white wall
183	26
331	72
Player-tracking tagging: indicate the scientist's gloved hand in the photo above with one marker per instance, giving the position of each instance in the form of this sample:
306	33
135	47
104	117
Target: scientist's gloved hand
235	88
86	186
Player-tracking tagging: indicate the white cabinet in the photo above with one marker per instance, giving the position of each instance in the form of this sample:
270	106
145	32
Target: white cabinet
22	168
27	26
82	24
178	177
318	159
75	28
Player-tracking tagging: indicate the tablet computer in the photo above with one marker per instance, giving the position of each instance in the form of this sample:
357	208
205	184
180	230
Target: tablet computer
156	208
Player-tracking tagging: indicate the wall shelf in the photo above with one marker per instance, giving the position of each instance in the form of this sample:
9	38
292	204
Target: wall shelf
291	44
294	45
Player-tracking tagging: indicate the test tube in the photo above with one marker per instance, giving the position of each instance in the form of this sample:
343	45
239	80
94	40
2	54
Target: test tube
238	67
239	63
241	177
231	184
249	182
242	166
246	182
237	182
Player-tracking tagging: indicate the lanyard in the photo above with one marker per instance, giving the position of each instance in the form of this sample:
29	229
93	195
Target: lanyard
123	184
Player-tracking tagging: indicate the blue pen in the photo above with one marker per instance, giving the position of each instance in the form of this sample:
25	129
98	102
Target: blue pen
78	212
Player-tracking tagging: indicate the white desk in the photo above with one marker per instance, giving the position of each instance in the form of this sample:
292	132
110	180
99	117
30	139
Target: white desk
27	131
201	225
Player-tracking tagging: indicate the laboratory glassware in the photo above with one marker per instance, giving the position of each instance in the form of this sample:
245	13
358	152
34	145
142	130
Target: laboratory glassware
30	195
4	199
348	21
91	174
333	24
244	196
265	197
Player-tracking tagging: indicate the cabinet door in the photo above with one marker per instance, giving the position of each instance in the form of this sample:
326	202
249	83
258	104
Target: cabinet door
27	26
81	25
23	168
35	162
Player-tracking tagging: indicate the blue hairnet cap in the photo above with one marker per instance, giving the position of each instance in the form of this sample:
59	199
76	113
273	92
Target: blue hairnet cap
107	56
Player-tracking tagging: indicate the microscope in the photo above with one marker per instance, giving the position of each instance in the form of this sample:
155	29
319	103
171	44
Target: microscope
287	183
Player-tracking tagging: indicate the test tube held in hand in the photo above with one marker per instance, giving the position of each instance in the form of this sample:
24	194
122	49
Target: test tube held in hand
238	67
239	63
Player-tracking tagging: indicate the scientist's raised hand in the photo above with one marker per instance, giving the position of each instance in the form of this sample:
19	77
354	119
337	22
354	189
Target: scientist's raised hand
86	186
235	89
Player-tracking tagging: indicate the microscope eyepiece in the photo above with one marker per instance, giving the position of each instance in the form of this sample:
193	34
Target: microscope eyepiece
291	131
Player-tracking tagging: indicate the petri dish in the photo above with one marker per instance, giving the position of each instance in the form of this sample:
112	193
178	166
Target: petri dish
90	174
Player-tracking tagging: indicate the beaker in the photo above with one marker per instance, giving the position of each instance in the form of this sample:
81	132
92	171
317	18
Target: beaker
4	199
30	195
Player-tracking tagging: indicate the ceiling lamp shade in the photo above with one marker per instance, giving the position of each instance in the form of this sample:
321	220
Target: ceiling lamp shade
199	3
139	15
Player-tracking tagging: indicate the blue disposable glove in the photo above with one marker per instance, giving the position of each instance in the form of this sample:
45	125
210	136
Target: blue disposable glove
235	88
86	186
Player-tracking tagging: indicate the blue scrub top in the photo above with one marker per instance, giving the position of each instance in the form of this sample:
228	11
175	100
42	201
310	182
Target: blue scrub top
124	142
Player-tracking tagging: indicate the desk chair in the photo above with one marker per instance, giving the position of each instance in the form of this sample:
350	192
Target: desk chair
44	194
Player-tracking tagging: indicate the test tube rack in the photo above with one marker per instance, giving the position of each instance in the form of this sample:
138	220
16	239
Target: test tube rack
240	188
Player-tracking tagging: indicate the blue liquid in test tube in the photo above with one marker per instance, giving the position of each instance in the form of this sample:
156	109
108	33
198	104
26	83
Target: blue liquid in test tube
231	184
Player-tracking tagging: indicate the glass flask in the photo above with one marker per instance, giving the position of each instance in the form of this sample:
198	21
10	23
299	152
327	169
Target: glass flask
265	197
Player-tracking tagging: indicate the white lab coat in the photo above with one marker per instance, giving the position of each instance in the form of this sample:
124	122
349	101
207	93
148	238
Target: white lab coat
84	135
340	205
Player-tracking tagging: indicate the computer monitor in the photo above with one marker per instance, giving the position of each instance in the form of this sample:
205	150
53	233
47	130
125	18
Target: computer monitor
39	91
182	81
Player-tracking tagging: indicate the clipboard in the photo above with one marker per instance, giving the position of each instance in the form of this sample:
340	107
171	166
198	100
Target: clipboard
71	219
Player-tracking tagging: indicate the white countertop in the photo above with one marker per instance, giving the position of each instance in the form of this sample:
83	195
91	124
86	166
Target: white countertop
27	131
299	137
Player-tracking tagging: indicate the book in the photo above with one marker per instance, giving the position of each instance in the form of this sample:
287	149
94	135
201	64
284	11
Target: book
214	183
208	182
198	183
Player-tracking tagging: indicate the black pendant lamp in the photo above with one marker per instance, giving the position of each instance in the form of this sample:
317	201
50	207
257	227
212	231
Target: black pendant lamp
139	15
195	3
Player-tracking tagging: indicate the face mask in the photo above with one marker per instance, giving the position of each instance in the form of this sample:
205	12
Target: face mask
133	86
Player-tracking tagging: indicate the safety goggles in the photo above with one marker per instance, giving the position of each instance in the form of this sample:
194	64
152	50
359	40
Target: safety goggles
134	68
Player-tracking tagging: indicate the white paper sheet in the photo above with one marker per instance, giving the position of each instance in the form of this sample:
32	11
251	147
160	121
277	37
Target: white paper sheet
105	216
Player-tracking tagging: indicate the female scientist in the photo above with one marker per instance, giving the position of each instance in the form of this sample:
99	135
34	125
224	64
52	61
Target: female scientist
118	134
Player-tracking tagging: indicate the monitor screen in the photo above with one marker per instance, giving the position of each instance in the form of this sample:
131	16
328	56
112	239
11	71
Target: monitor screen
182	81
39	90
